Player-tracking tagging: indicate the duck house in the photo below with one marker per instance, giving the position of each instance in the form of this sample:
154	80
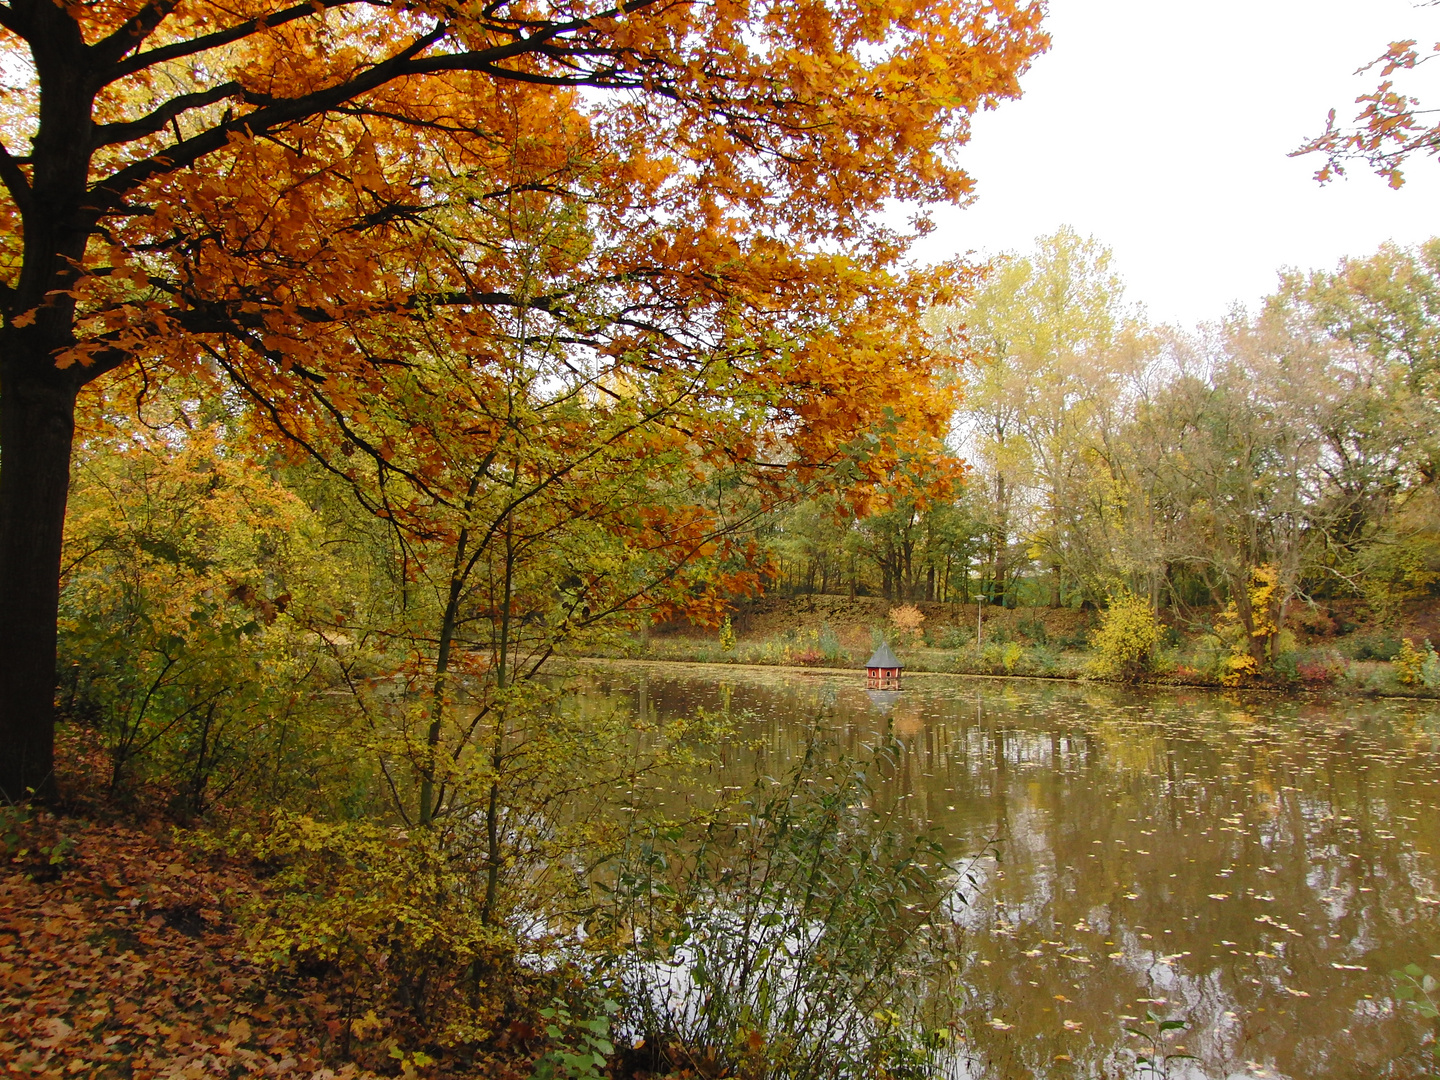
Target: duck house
883	670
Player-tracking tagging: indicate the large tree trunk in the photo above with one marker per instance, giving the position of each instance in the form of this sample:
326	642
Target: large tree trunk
37	399
37	424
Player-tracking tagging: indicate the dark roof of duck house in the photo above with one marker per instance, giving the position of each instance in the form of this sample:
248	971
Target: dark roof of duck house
884	658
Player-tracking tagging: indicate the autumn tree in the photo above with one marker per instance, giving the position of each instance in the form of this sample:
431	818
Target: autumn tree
1056	343
260	195
1377	415
1391	124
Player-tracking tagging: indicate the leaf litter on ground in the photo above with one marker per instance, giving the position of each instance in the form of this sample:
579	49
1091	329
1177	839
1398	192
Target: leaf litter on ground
127	963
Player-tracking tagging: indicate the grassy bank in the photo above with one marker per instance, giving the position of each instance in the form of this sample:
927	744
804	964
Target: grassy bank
1341	649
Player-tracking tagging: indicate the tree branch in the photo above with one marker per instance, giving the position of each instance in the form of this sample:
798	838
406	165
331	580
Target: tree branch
238	32
130	130
278	113
134	30
111	191
16	182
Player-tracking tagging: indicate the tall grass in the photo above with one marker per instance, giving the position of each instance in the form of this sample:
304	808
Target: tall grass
792	938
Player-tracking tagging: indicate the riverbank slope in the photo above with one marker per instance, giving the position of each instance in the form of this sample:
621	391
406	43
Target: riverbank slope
1341	646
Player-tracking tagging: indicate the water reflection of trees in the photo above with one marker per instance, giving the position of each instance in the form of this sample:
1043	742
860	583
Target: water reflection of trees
1221	853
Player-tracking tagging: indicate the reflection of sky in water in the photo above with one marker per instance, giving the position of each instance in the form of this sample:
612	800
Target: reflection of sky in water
1251	865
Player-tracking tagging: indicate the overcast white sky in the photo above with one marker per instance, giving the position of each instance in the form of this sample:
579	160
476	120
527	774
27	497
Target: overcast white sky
1161	128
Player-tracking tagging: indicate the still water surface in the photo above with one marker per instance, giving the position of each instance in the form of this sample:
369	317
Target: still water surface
1250	865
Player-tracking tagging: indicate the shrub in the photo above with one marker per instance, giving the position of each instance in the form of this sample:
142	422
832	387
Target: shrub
1044	659
1321	670
1034	629
992	657
1286	666
954	637
1375	647
998	634
395	914
786	940
906	621
727	635
1381	681
1236	667
1010	656
1411	664
1127	638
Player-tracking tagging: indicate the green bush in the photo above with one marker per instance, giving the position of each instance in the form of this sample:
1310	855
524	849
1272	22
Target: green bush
1374	647
1043	659
1286	666
1033	628
954	637
1382	681
998	634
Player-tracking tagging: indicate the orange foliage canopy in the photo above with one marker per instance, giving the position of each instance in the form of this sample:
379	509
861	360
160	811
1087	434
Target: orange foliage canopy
287	186
326	203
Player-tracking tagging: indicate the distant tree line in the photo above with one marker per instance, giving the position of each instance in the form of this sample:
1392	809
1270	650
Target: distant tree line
1105	453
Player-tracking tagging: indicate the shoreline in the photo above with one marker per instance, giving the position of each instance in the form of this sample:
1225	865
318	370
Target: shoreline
1305	692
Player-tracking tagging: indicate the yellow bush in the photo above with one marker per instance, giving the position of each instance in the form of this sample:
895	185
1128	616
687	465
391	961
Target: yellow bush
1241	662
906	620
1127	638
1236	667
1410	663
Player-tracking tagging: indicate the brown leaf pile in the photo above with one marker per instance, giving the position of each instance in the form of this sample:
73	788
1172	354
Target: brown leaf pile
128	963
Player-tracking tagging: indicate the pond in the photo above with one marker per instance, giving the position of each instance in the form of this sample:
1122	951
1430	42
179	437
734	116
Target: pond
1251	865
